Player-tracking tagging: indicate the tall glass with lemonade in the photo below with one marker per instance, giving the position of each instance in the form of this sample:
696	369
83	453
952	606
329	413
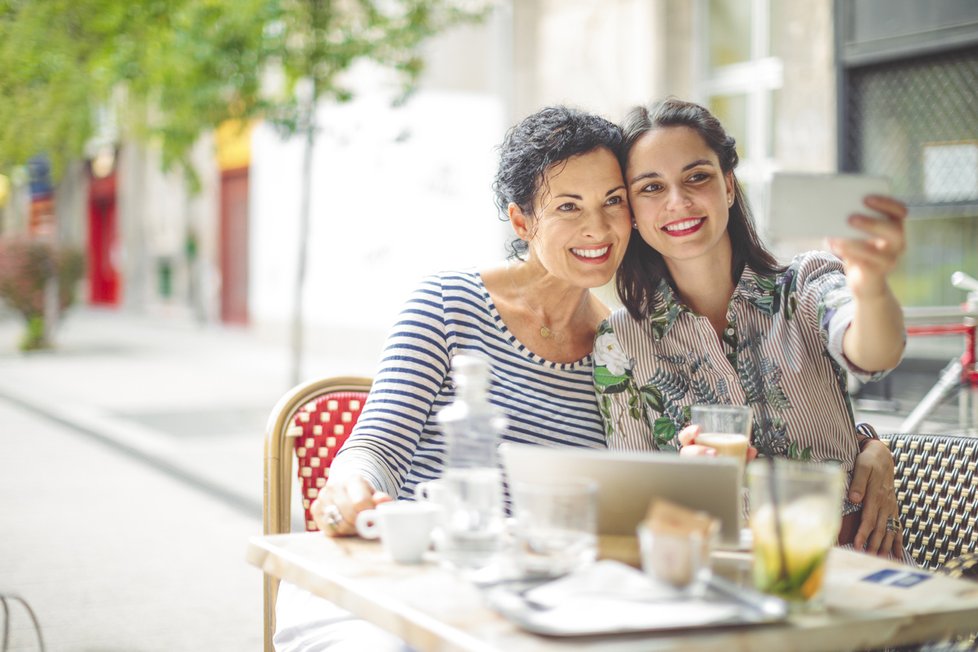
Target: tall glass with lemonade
796	512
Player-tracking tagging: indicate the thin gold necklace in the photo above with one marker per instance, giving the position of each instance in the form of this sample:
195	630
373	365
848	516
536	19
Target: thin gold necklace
545	331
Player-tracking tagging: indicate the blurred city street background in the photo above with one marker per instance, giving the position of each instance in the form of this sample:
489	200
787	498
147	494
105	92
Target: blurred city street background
131	476
173	164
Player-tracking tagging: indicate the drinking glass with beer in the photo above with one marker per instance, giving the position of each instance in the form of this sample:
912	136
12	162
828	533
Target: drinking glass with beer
724	428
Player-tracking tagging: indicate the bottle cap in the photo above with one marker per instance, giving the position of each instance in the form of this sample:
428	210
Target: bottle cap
471	372
470	365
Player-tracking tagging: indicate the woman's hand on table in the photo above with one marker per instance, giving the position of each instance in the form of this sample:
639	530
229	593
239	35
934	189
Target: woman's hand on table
688	446
340	500
873	487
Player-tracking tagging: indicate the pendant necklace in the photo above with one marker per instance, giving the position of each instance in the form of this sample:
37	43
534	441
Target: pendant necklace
545	331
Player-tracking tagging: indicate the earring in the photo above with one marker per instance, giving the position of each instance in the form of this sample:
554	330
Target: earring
634	224
730	203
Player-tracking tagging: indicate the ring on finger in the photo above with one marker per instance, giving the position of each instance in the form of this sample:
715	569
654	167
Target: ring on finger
892	524
334	517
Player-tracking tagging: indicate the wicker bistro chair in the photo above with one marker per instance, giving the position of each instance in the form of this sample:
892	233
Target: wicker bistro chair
309	423
937	489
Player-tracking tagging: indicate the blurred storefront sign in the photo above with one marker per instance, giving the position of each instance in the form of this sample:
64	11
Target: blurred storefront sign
233	142
41	220
4	190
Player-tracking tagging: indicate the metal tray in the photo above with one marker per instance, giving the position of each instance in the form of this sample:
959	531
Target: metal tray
721	604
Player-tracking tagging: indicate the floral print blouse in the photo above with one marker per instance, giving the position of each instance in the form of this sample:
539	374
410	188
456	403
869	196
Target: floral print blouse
781	354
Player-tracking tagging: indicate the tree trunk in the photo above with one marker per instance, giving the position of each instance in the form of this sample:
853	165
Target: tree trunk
303	241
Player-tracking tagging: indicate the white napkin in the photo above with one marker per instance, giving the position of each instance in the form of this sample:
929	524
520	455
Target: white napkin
610	597
606	579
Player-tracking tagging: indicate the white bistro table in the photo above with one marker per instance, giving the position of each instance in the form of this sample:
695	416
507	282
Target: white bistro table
432	608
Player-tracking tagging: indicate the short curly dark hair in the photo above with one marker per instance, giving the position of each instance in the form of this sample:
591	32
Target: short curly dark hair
537	143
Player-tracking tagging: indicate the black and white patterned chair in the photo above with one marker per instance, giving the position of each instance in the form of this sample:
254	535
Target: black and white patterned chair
937	489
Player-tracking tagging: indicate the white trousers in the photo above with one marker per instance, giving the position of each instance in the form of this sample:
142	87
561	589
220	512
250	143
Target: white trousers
307	623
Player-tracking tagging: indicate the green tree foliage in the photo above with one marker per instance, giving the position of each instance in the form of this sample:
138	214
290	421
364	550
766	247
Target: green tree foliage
174	69
46	91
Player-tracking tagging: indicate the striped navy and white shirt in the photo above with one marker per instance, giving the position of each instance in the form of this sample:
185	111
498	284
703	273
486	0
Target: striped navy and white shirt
781	353
397	442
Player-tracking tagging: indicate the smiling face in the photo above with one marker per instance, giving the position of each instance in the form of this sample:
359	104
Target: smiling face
680	196
581	222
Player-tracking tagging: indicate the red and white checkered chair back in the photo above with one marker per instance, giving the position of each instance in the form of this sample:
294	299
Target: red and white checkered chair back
319	430
309	423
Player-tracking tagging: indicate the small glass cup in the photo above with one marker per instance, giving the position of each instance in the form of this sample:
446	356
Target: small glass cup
555	528
796	512
471	532
724	428
679	559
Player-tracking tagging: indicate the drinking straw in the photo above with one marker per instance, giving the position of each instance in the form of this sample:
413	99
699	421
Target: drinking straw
776	504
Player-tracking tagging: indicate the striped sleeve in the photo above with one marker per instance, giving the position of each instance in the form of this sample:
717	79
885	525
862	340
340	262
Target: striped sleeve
413	367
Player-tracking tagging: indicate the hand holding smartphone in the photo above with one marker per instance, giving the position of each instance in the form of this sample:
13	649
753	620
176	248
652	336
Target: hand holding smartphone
816	206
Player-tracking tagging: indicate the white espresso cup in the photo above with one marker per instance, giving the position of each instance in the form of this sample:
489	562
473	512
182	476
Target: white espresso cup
404	528
433	491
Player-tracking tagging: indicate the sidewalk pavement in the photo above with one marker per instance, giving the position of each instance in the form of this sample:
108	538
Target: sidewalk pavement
131	480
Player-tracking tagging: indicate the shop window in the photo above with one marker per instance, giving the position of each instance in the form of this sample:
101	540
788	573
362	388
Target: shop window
915	121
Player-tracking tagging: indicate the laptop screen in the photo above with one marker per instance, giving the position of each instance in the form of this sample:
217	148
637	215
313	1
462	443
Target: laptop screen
628	482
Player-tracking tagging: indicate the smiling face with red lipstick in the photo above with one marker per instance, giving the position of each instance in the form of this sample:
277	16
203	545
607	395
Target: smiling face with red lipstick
680	197
695	224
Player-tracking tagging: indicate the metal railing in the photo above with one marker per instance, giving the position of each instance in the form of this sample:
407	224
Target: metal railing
960	376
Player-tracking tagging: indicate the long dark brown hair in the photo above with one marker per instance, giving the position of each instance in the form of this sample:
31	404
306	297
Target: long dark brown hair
643	268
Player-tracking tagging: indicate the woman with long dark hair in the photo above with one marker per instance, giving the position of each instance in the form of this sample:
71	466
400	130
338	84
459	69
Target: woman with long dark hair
710	316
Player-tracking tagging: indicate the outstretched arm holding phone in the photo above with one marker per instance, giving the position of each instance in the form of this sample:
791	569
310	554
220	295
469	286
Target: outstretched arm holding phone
876	338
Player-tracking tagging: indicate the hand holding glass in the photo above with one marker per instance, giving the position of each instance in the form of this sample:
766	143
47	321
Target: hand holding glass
724	428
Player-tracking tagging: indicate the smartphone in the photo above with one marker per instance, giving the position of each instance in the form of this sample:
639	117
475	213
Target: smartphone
810	205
